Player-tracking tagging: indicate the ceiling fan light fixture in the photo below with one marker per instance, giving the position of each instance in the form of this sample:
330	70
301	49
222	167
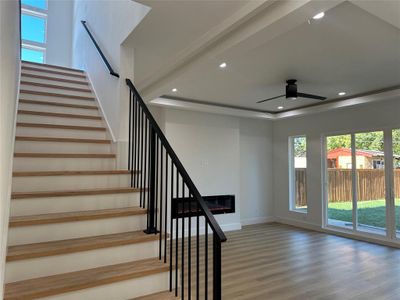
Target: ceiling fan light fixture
319	16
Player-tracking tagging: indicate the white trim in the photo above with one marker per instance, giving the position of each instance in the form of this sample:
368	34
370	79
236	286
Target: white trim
91	86
258	220
298	223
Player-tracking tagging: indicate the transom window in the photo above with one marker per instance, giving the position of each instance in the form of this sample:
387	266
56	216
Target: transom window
33	30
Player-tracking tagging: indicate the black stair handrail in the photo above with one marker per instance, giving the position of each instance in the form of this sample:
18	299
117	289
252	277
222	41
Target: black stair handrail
110	69
160	192
209	216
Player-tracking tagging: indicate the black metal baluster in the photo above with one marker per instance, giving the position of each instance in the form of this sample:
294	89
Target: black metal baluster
156	184
146	163
129	134
197	251
217	268
140	175
135	142
135	104
190	249
166	207
176	233
161	202
139	116
171	239
206	262
183	242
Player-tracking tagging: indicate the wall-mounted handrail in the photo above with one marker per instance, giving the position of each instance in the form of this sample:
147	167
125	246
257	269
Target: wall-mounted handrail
99	50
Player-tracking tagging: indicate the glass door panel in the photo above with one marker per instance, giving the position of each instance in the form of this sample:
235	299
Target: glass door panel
339	181
370	182
396	177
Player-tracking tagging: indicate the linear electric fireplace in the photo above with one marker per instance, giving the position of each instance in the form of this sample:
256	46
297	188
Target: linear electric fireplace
220	204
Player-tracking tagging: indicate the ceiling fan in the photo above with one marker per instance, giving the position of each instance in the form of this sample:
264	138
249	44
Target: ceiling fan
291	93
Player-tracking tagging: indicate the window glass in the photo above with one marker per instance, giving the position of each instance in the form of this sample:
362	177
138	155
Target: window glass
42	4
33	28
298	172
32	55
339	180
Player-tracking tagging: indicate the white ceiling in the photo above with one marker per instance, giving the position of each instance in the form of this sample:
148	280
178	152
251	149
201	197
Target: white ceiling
354	48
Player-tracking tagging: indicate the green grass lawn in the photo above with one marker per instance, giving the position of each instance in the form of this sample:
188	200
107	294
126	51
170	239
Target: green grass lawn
371	213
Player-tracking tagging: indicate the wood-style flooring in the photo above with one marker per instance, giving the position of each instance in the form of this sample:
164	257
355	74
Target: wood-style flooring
280	262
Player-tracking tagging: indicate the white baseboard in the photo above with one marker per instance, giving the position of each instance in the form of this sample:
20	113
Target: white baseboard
231	227
298	223
258	220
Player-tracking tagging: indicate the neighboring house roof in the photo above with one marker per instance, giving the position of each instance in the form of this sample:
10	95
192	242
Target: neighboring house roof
335	153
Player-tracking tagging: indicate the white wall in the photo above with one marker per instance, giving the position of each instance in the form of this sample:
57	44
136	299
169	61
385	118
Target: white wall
59	33
9	78
110	23
384	114
225	155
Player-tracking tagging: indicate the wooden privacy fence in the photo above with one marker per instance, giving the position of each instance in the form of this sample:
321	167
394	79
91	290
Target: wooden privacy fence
370	185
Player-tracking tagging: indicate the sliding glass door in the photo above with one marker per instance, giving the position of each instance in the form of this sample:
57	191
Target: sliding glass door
356	181
339	187
370	182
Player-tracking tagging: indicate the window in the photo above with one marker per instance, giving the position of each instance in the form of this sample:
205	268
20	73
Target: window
298	173
33	30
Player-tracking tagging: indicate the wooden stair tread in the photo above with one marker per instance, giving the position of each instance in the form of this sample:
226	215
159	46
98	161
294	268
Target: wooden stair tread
56	95
70	173
55	79
58	115
36	250
74	216
56	126
76	192
24	62
50	103
167	295
61	140
55	86
67	282
64	155
32	68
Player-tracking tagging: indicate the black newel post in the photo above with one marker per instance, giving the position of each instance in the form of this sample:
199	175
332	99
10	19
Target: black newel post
151	213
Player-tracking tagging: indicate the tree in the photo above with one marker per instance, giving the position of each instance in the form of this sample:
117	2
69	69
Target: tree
300	146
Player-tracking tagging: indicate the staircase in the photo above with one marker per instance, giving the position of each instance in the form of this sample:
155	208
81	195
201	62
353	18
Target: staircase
76	226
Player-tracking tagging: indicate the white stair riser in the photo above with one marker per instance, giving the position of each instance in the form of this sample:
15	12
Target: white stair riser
59	109
63	164
61	147
121	290
44	89
54	183
53	75
64	263
63	133
59	121
57	99
46	68
55	82
33	206
70	230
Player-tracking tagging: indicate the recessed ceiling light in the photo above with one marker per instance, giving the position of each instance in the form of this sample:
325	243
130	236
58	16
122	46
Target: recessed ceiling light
223	65
174	90
280	107
342	93
319	16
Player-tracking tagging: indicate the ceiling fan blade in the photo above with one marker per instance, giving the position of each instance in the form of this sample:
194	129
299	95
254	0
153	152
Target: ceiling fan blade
310	96
271	98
